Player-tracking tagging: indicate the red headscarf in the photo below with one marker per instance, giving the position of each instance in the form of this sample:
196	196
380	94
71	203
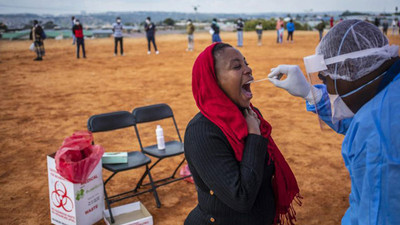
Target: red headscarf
218	108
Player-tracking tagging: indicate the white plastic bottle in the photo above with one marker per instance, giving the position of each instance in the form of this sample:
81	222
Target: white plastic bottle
160	138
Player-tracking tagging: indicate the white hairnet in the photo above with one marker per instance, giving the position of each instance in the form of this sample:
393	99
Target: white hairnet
351	36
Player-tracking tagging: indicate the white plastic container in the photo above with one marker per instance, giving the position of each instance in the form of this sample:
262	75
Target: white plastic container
160	138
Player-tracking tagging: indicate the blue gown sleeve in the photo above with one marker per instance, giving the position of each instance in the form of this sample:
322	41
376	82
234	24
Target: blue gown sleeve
325	113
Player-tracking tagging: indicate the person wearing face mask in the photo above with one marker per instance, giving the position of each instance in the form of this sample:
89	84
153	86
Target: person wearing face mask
37	36
77	30
239	28
150	29
215	31
360	98
72	25
117	30
190	30
240	174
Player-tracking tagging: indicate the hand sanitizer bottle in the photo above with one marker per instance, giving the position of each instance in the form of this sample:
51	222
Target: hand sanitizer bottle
160	138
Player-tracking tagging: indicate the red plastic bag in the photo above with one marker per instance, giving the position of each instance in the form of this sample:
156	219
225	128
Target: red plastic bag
186	172
77	157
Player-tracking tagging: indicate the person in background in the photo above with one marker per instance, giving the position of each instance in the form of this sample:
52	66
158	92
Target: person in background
359	98
290	28
118	37
281	31
77	30
239	28
37	36
331	21
190	30
398	25
150	29
394	25
72	25
385	26
377	22
278	26
320	27
259	30
215	31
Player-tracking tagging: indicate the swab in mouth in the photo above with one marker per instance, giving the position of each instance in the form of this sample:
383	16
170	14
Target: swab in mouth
255	81
279	76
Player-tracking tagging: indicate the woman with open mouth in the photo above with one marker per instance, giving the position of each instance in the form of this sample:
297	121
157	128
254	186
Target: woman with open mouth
240	174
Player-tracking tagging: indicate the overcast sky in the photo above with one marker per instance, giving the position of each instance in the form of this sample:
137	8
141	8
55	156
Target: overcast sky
205	6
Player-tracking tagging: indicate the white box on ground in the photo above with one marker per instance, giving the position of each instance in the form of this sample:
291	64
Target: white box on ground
129	214
75	204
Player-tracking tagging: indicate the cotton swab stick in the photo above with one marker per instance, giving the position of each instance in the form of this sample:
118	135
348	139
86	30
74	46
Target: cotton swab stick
255	81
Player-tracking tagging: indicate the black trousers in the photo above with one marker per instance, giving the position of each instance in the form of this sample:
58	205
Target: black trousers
151	39
116	40
80	42
290	35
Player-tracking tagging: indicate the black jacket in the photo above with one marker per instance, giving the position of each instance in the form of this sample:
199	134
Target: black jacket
150	29
229	192
38	33
215	27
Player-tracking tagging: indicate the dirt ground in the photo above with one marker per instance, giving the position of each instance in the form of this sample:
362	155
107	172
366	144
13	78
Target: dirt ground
44	102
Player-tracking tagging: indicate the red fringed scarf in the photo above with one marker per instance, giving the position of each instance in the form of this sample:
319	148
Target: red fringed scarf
217	107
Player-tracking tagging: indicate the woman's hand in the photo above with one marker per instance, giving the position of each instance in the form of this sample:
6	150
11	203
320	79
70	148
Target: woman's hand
253	123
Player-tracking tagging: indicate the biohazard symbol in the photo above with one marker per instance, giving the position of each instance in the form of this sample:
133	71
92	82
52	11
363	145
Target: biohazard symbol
60	199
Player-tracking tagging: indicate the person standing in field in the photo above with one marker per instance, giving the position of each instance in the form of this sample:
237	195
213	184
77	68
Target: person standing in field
279	24
150	29
77	30
377	22
394	25
215	31
190	30
259	30
398	25
331	21
37	35
281	31
239	28
385	26
320	27
290	28
118	37
72	25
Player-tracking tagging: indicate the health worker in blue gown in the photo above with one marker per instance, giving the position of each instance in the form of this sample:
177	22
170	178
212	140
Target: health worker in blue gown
359	98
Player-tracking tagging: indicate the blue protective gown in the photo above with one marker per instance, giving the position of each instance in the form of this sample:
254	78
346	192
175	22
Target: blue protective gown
371	152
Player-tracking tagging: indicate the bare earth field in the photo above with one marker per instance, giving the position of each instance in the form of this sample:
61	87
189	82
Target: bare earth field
44	102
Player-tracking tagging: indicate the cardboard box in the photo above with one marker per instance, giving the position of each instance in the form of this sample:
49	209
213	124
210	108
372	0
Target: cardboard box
114	157
75	204
130	214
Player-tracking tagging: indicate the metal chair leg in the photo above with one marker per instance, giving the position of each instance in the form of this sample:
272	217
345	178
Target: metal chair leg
154	188
139	184
108	204
176	170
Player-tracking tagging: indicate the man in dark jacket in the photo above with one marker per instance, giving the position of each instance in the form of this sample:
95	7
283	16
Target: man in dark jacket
215	31
239	28
37	35
320	27
150	29
77	30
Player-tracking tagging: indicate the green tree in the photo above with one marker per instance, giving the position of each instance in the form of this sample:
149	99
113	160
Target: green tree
169	22
3	26
49	25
